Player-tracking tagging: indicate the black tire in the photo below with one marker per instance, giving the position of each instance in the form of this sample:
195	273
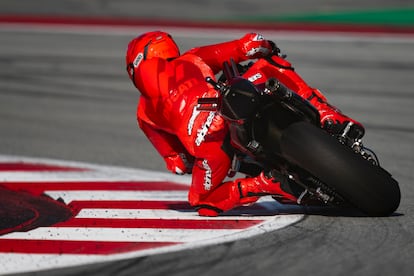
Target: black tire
369	188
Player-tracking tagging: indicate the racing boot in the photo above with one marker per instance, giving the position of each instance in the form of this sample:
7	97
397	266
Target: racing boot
270	183
246	191
333	120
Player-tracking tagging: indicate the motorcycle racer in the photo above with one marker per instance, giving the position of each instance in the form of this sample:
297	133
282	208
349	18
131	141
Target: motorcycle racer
193	141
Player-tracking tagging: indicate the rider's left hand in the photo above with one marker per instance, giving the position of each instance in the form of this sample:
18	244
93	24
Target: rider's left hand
179	163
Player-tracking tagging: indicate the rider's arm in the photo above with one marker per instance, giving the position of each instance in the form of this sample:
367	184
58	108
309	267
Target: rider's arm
176	157
250	46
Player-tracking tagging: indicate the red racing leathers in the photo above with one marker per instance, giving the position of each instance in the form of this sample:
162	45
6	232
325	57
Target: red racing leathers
189	140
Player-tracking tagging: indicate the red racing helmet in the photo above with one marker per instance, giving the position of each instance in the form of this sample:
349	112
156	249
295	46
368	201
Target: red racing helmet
149	45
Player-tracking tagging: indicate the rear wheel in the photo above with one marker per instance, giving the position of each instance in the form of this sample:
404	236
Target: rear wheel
366	186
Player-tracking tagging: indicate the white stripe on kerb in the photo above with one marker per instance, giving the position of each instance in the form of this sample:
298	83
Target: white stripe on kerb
69	196
120	234
156	214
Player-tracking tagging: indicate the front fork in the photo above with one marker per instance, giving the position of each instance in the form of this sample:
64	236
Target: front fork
357	146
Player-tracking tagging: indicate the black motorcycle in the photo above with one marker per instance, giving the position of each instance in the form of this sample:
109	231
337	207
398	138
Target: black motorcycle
272	128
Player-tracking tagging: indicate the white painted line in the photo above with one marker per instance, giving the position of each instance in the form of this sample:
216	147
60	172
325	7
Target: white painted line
99	174
120	234
222	33
35	262
152	213
69	196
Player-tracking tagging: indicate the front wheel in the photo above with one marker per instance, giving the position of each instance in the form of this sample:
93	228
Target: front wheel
366	186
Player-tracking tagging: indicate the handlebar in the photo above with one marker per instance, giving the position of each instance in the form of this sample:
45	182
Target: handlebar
217	86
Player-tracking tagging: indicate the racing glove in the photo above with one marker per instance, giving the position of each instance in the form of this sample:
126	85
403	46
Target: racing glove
179	164
253	45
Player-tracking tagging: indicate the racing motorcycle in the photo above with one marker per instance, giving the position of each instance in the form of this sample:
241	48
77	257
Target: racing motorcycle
273	128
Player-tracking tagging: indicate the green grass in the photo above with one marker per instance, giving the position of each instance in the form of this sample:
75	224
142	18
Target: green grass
389	17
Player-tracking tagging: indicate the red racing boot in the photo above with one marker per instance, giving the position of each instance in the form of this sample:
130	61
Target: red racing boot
269	184
246	191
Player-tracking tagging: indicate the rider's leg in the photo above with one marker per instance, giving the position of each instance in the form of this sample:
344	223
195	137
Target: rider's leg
242	191
332	119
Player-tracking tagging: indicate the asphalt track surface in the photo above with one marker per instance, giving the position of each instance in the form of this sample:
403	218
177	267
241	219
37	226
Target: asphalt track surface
64	94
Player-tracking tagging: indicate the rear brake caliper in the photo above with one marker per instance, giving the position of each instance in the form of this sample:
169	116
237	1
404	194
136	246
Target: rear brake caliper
315	189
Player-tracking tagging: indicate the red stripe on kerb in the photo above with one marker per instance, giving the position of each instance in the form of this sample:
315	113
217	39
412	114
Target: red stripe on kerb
130	204
75	247
160	223
21	166
40	187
